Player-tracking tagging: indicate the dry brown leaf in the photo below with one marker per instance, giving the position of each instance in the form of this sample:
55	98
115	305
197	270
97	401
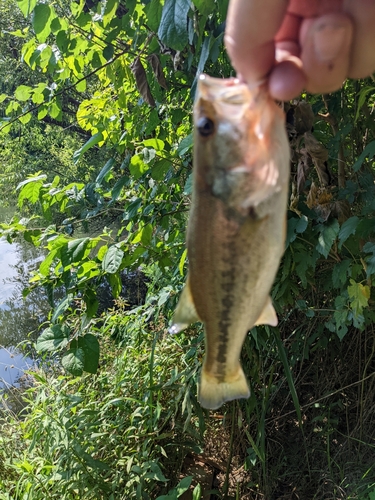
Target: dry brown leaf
303	117
315	149
341	210
158	70
141	81
319	155
312	196
302	169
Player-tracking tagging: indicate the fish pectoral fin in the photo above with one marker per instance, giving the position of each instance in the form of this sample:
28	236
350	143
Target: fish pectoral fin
268	315
185	312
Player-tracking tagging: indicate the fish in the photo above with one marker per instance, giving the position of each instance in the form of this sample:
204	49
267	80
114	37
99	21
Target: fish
236	229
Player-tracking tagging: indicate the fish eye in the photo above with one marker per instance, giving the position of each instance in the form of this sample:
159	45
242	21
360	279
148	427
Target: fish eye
205	126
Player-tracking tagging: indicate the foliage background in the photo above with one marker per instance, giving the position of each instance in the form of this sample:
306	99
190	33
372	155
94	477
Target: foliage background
95	135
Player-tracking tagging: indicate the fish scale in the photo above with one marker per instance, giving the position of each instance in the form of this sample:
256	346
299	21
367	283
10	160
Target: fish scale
236	229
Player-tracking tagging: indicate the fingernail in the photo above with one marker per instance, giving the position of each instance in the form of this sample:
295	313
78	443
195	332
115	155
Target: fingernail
329	40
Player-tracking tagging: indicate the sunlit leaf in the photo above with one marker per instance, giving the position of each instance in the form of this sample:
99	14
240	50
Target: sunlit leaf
26	6
359	296
23	93
74	361
42	17
112	259
104	171
89	144
53	338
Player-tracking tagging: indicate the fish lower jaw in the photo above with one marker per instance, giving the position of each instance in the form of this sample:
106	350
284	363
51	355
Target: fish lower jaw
214	392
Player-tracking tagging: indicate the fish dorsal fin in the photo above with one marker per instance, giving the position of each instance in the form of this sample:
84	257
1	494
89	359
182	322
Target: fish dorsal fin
268	315
185	312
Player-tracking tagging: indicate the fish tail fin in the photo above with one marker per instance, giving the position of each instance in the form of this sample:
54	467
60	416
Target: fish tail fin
213	392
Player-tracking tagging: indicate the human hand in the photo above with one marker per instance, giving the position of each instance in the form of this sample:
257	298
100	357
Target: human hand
301	44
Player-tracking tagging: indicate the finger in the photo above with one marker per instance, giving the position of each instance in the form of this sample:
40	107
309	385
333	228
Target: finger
287	80
313	8
249	38
362	13
326	44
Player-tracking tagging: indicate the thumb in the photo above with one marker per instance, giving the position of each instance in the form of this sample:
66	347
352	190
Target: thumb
325	51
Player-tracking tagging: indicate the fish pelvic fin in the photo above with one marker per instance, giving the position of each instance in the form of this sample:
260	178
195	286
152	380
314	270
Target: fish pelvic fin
268	315
213	392
185	312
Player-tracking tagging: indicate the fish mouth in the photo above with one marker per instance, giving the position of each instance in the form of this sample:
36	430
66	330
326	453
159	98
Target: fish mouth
228	90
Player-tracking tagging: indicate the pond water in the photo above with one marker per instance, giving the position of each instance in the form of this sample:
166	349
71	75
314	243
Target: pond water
17	317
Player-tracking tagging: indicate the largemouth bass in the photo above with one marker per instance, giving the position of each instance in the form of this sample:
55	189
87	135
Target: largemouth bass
236	229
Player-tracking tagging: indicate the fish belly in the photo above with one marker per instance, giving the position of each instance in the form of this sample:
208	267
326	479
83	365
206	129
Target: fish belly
233	261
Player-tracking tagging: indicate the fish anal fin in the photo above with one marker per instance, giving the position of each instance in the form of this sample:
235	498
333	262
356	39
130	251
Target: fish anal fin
185	312
213	392
268	315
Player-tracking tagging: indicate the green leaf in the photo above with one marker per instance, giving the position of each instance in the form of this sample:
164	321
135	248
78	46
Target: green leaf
340	273
55	110
205	7
112	259
188	188
348	228
108	52
30	191
146	235
62	41
154	12
117	188
296	225
185	145
328	234
90	346
197	492
42	17
359	295
33	178
104	171
91	302
370	260
369	152
116	285
182	262
159	169
89	144
74	251
183	485
53	338
132	209
74	361
137	166
62	307
156	144
204	54
23	93
110	11
26	6
288	373
362	95
173	24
